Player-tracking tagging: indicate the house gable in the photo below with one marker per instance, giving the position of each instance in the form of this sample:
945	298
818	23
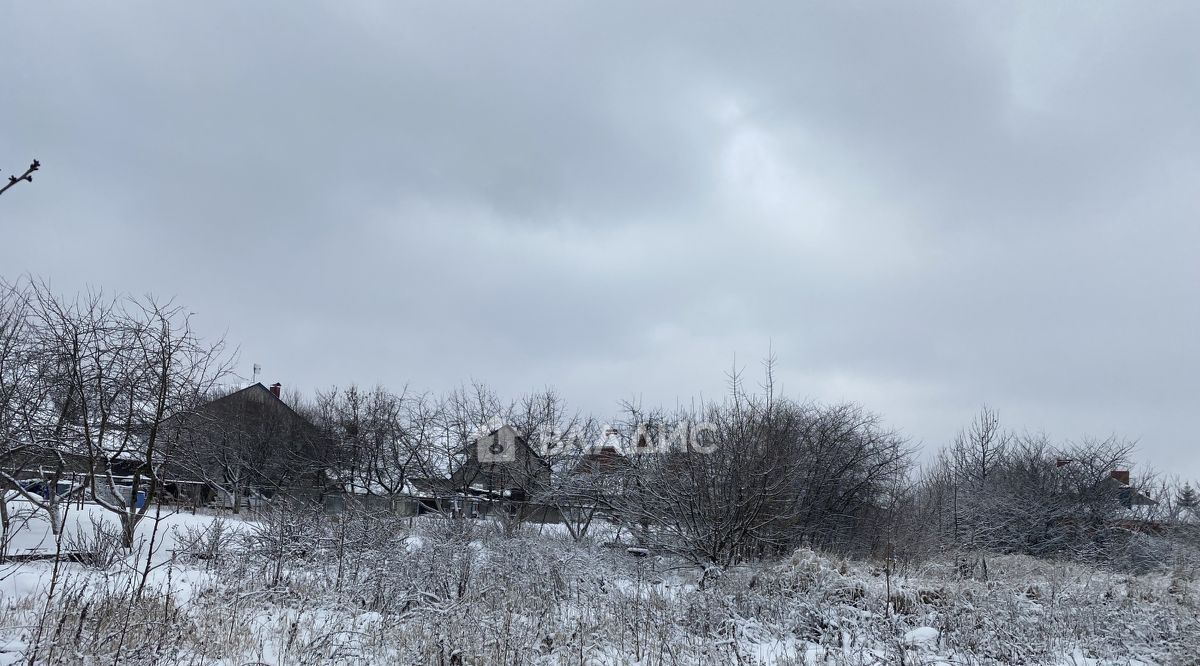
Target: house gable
502	462
251	428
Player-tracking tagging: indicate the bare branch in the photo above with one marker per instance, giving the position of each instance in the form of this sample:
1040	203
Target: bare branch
27	176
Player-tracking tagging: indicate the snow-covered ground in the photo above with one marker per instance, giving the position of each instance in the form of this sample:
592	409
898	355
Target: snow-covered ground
371	589
79	523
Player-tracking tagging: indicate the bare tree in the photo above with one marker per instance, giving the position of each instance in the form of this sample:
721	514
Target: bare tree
850	465
585	460
110	372
976	452
384	438
756	475
994	492
34	414
466	413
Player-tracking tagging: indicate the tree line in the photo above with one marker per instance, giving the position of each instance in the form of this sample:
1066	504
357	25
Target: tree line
92	389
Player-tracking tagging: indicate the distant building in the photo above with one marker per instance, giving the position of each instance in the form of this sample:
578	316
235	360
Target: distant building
1127	495
248	444
501	464
603	458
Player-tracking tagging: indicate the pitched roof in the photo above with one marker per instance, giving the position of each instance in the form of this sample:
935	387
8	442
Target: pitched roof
606	458
517	438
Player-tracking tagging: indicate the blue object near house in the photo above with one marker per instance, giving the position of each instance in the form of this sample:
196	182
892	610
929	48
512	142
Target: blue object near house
141	499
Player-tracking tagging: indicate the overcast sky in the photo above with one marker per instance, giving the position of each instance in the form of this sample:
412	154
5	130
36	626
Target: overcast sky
920	207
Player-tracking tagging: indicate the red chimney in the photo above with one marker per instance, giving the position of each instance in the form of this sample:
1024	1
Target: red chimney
275	389
1121	475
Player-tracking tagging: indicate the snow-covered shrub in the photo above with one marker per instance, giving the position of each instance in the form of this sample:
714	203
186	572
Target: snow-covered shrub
97	544
285	533
207	542
809	573
365	588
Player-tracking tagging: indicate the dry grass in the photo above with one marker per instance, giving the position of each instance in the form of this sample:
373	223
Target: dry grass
448	592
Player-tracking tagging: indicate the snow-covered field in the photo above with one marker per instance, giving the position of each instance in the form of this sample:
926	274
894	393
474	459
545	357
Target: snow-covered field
289	589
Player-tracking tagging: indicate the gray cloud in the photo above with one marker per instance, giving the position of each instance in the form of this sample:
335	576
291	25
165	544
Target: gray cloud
919	207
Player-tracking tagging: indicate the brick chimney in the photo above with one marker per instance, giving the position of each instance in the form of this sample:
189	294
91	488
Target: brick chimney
1121	475
276	387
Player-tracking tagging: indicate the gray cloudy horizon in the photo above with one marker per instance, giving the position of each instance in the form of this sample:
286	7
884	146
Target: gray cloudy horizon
919	207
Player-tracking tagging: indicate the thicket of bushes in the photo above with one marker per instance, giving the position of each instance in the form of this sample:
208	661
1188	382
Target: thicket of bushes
363	588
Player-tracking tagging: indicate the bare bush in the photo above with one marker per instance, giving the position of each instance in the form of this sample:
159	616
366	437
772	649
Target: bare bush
99	544
759	475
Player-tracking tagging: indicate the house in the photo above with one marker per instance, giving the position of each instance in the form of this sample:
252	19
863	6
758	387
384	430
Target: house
501	474
603	458
598	476
248	445
1127	495
501	464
